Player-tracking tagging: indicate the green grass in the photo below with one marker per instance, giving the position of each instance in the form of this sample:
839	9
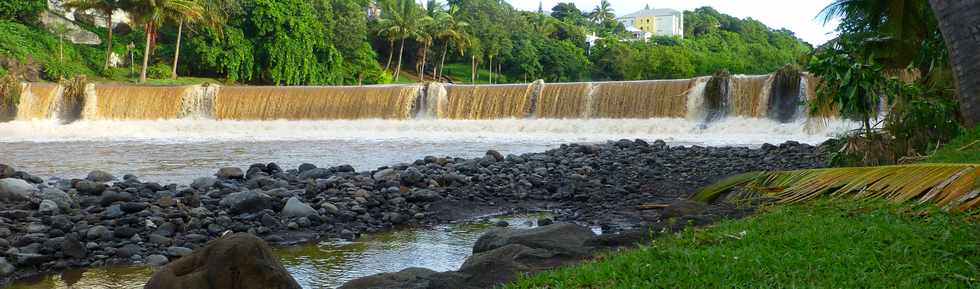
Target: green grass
963	149
818	245
460	73
22	42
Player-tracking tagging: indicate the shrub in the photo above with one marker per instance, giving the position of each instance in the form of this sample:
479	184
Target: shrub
56	70
159	71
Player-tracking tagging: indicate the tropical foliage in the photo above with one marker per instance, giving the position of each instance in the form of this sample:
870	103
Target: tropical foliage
338	42
950	186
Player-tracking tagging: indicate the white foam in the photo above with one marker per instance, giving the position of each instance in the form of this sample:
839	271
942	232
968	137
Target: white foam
730	131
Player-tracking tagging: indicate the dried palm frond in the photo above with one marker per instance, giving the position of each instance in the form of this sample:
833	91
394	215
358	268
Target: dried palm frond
953	187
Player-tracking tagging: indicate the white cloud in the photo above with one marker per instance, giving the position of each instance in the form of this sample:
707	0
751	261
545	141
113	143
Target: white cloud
798	16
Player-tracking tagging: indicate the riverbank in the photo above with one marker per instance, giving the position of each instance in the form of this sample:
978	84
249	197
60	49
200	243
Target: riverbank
817	245
49	225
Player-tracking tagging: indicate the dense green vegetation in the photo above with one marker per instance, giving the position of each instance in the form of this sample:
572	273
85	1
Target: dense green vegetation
818	245
336	42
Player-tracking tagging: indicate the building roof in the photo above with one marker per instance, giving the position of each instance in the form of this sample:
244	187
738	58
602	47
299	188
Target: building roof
652	12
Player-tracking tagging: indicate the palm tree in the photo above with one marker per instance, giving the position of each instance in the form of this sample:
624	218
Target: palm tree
602	13
106	7
451	32
214	14
401	21
959	21
153	13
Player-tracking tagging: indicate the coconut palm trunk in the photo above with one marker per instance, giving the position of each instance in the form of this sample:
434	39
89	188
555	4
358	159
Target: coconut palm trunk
442	62
146	51
425	52
473	69
391	54
180	30
401	51
108	45
959	21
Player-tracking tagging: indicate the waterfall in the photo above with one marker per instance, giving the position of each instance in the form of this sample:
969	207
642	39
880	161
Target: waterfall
129	102
38	101
642	99
780	97
326	102
432	103
749	95
489	101
564	100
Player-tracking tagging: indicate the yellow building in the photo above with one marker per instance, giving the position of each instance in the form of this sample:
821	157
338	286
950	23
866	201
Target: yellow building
660	22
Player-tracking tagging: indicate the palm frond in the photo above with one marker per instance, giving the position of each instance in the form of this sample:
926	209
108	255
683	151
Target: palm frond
954	187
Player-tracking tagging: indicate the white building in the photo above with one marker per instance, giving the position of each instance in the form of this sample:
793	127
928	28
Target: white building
660	22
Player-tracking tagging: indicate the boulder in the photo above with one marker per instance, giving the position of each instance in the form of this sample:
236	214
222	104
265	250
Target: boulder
98	233
422	196
109	197
495	155
502	265
296	208
72	247
15	190
314	173
564	238
6	171
48	207
230	173
246	202
203	183
412	176
59	197
89	187
156	260
100	176
410	278
239	260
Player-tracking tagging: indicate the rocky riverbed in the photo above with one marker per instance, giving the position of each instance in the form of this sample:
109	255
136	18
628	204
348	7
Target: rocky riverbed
48	225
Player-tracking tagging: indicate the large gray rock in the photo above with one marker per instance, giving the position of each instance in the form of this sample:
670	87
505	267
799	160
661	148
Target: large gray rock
230	173
296	208
246	202
156	260
314	173
203	183
58	24
100	176
240	261
411	278
502	265
561	238
59	197
15	190
89	187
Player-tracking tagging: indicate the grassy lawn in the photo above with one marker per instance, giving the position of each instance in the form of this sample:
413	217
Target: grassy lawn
818	245
460	73
964	149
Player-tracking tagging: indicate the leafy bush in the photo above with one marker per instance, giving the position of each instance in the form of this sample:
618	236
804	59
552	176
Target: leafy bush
31	44
159	71
9	96
56	70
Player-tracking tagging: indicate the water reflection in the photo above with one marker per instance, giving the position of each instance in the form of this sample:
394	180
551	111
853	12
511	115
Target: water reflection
327	264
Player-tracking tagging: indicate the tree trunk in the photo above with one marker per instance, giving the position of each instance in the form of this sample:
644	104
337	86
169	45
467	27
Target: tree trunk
959	21
473	69
425	52
391	54
108	44
491	69
442	62
180	30
146	53
401	51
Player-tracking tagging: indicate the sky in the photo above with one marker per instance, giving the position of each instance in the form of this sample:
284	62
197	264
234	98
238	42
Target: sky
798	16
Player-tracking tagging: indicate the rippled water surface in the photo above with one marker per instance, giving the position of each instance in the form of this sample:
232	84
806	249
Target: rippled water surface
180	150
326	264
